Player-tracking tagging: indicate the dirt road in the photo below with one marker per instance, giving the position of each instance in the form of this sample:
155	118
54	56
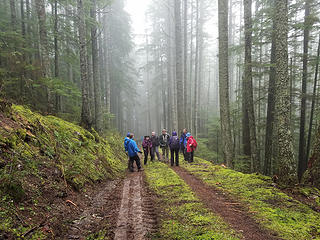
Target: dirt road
231	211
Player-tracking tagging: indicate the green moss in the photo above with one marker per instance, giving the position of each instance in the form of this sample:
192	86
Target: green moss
184	216
275	210
42	153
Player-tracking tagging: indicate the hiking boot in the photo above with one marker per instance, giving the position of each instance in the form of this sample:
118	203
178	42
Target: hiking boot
140	170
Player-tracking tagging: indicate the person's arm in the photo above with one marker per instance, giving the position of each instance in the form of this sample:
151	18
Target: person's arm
137	150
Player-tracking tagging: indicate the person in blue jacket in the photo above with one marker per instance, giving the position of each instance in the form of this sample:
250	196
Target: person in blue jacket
126	142
133	151
183	139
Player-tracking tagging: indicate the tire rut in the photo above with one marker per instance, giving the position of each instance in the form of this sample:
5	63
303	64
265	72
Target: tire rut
231	211
137	217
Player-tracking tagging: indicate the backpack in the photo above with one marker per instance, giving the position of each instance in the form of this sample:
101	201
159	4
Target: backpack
194	144
175	144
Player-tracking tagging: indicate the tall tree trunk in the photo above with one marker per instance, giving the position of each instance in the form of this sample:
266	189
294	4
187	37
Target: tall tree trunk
44	48
185	61
224	83
196	74
302	163
249	106
108	63
56	49
85	112
190	110
13	14
313	101
179	63
271	108
286	165
95	70
23	20
200	66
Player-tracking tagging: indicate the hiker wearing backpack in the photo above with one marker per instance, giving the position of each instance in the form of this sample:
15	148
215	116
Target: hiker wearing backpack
174	145
191	147
164	144
146	145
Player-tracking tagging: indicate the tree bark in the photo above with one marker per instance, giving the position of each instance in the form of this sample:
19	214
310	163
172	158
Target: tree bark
248	89
185	60
179	64
95	70
196	75
223	83
56	49
271	108
13	14
286	162
313	102
302	163
85	112
44	48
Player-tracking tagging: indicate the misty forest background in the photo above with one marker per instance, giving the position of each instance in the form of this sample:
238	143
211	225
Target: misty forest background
240	75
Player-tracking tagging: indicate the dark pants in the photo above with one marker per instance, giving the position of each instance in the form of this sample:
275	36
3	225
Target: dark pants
165	153
190	156
155	150
146	154
132	159
184	150
176	153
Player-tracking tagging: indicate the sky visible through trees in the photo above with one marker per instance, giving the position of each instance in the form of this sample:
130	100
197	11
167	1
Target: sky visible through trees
240	75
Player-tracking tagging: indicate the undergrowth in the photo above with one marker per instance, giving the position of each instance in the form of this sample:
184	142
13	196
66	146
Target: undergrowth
183	216
275	210
41	159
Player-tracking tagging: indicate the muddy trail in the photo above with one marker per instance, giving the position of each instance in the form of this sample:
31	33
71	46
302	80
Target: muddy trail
124	208
137	217
100	208
236	215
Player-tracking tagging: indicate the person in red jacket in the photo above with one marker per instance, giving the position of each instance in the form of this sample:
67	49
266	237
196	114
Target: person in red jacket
191	147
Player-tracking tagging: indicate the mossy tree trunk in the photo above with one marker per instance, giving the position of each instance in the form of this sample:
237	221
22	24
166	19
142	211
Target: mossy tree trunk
224	83
95	70
286	162
248	107
85	112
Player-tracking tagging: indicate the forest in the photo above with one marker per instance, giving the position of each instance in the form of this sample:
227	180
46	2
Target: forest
241	76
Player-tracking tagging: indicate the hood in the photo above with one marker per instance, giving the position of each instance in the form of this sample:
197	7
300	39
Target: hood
188	134
174	133
128	134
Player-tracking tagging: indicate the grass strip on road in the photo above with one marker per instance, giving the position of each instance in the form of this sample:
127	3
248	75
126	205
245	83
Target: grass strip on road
275	210
183	215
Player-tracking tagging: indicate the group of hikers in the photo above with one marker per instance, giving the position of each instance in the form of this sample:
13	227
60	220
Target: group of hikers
186	144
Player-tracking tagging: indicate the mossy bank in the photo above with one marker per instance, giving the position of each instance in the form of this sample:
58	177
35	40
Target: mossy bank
43	162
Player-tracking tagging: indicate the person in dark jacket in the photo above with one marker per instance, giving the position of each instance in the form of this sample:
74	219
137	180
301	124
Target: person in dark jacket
155	146
164	145
133	151
182	143
146	145
174	144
